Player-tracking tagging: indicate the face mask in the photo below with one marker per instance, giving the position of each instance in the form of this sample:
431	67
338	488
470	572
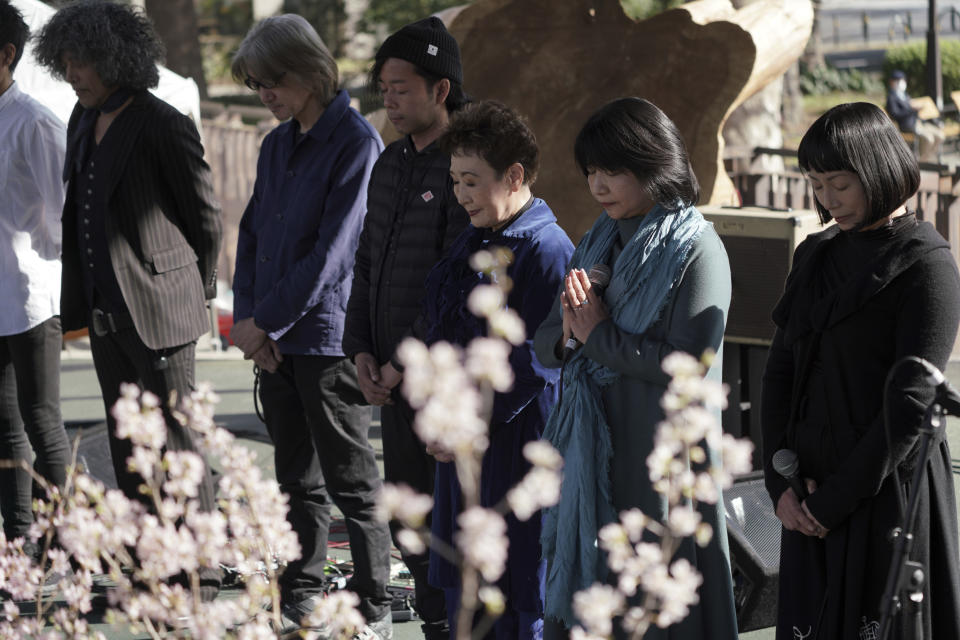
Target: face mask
901	85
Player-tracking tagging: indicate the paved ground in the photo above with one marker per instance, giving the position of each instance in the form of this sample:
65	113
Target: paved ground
233	380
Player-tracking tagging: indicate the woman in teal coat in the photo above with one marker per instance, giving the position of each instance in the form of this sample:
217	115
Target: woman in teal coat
669	291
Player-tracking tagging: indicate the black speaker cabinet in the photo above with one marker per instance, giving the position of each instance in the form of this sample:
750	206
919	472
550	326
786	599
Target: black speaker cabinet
753	532
760	244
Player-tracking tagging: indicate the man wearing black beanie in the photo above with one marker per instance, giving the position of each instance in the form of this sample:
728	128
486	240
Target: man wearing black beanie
412	217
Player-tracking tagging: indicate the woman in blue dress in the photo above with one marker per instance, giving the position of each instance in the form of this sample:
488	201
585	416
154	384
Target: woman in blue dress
494	161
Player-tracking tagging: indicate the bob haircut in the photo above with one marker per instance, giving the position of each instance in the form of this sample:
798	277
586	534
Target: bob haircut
496	133
13	30
633	134
860	138
287	44
457	98
118	40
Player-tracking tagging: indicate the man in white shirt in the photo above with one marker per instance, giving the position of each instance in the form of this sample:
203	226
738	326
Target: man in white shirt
32	144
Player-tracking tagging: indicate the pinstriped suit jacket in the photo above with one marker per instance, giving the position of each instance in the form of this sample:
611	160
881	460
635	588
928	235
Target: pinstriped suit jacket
162	224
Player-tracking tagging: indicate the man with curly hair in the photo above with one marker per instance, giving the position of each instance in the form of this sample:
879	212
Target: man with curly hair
141	227
32	147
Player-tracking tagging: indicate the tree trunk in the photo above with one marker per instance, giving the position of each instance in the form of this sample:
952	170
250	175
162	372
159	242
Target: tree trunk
813	54
176	22
793	116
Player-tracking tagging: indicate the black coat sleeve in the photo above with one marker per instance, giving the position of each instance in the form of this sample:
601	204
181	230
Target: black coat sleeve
926	323
775	402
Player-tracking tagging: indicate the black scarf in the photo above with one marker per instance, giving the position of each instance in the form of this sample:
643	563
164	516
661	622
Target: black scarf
88	119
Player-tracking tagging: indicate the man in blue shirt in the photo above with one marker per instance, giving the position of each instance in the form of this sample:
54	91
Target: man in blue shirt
295	257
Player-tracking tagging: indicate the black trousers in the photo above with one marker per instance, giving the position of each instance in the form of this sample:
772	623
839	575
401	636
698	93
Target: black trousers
314	412
30	417
123	357
405	460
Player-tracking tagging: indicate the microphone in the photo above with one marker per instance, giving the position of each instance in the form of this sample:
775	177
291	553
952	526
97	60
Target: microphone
947	396
599	276
785	463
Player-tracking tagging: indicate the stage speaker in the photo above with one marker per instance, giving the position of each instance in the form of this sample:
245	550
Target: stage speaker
93	451
760	244
753	532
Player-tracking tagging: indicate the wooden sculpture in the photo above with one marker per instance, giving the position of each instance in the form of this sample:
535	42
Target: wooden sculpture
557	62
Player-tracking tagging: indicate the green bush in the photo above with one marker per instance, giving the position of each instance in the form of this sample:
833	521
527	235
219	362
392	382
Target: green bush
912	60
822	80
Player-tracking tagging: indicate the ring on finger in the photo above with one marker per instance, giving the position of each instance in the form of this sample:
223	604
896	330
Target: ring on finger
584	303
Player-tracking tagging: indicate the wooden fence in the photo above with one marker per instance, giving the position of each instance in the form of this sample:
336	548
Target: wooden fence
232	143
937	201
231	146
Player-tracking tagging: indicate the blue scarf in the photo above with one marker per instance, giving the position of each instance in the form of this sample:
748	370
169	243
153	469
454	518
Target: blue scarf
650	266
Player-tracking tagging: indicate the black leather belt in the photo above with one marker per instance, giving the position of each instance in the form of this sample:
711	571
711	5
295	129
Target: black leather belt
104	323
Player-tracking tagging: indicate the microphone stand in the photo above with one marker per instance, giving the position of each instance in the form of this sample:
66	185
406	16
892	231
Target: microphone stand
905	575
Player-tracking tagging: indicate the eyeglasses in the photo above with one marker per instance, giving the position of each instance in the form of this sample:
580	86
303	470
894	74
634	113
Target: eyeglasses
256	85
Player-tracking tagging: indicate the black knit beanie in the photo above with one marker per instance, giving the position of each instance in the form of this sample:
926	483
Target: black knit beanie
427	44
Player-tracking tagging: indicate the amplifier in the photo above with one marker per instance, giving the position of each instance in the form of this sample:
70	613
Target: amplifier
753	533
760	244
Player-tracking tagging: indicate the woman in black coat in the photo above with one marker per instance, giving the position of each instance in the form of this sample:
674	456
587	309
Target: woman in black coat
864	293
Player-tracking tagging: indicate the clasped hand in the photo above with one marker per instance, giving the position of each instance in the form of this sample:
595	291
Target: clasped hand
256	345
582	308
795	515
375	381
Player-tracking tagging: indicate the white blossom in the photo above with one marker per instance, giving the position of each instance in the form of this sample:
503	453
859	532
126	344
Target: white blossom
488	360
578	633
683	521
737	454
139	418
482	261
337	614
400	502
492	599
482	540
411	541
210	530
678	593
507	324
418	371
681	365
703	534
596	607
144	461
185	471
539	488
541	453
485	299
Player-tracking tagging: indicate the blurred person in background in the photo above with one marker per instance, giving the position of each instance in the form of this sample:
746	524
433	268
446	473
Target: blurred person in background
929	132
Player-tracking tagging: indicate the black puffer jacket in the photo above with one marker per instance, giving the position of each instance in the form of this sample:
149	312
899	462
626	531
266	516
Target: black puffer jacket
412	217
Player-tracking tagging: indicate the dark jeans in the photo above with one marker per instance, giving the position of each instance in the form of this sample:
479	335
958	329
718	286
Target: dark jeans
123	357
405	460
314	412
30	416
